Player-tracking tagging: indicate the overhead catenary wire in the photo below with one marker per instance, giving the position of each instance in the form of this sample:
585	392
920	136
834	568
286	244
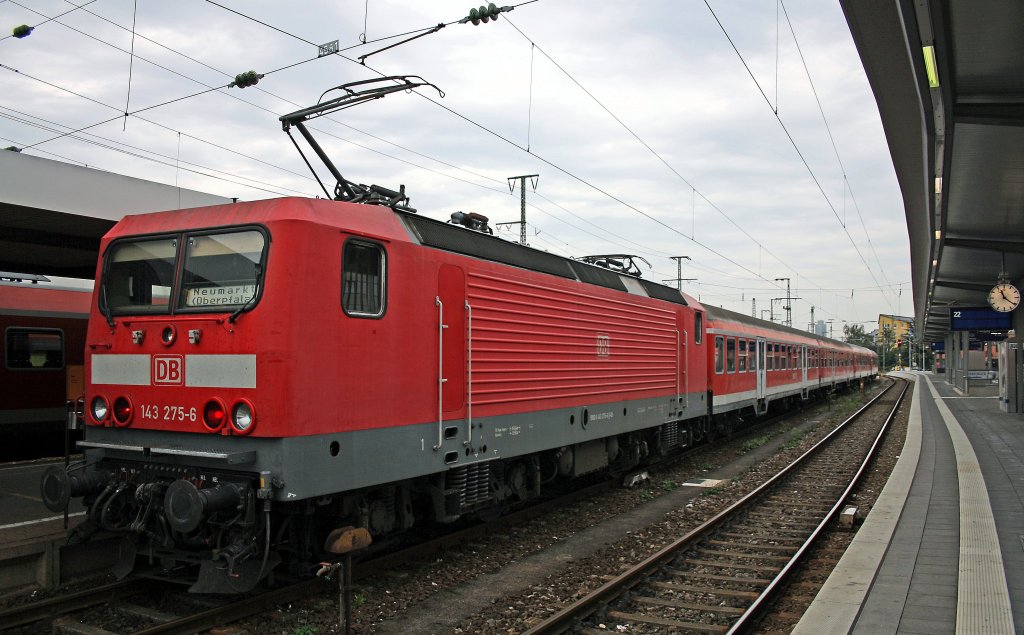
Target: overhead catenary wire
514	144
54	127
431	158
76	8
209	89
828	129
796	147
647	146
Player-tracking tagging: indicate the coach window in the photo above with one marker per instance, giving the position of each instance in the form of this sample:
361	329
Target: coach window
34	349
698	327
769	359
730	354
719	353
364	279
743	356
752	347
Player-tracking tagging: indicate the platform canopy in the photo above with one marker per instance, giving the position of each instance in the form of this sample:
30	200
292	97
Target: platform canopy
53	214
948	77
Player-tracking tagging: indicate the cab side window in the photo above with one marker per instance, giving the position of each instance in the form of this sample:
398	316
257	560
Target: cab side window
363	279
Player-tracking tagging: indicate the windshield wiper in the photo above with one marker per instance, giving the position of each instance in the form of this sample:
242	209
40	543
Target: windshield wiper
104	306
258	283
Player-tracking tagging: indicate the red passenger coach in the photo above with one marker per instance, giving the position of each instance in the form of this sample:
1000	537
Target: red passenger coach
43	341
754	363
345	364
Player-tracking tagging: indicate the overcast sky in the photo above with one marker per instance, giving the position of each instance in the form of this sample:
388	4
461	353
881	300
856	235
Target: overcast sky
648	132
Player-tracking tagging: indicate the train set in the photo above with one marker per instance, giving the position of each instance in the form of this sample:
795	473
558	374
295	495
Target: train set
262	374
43	346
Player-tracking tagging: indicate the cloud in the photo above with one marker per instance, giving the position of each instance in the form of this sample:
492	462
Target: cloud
533	78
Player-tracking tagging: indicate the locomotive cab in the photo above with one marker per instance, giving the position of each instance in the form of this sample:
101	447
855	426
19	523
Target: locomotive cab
166	355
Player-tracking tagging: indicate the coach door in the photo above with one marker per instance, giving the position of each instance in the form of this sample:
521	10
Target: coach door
803	372
761	374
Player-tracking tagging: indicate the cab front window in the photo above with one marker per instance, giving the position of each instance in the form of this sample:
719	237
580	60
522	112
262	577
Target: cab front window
208	271
221	270
139	275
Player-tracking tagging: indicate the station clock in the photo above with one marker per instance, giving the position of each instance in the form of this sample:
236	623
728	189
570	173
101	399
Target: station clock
1004	297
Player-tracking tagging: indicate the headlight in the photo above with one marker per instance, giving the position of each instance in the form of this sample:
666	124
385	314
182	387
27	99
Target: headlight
99	409
243	417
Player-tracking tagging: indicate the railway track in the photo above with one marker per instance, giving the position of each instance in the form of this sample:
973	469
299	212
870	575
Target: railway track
143	604
142	607
719	577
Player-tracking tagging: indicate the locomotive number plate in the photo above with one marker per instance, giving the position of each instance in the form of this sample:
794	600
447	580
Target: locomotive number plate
152	412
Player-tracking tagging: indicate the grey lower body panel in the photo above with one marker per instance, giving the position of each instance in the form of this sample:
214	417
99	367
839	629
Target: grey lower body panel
319	465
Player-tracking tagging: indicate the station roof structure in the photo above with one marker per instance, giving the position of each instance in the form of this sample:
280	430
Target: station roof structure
953	116
53	214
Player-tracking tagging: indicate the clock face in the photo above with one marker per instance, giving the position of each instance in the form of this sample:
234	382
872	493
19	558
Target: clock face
1004	297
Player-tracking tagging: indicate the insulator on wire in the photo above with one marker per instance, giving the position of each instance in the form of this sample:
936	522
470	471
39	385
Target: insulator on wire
484	14
246	79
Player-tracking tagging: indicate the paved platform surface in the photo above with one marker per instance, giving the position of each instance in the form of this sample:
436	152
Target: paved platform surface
942	549
23	517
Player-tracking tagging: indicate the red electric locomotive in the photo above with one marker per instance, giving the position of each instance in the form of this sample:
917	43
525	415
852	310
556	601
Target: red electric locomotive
346	364
43	341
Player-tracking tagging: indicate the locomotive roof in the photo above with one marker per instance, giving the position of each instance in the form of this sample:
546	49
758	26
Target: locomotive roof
370	219
380	221
725	314
450	237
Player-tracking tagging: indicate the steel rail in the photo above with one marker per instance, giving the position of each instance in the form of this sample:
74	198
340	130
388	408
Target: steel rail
63	604
755	608
568	617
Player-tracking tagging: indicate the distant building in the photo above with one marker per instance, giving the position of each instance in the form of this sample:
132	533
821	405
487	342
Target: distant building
898	326
820	328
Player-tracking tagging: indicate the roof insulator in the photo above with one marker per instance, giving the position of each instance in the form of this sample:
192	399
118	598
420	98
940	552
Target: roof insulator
22	31
246	79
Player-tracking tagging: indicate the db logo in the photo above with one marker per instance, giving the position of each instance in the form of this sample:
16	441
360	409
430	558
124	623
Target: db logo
168	370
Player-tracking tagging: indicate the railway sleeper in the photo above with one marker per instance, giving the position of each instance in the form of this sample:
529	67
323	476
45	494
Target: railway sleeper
679	573
707	590
737	554
687	606
689	627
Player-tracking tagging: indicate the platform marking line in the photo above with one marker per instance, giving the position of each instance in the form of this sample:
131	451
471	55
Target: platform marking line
39	520
34	499
982	598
